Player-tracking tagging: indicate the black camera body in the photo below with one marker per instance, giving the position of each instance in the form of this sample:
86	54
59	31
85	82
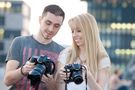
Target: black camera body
44	65
75	71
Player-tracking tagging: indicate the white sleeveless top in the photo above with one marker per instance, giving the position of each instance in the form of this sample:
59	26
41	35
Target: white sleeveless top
72	86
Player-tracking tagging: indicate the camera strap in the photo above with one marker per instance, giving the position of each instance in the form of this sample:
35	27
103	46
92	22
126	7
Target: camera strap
85	75
65	86
86	78
66	80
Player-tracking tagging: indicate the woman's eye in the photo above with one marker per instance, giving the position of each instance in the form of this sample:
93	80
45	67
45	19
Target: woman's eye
72	31
78	30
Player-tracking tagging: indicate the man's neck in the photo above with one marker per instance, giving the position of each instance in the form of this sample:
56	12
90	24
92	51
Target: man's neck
41	39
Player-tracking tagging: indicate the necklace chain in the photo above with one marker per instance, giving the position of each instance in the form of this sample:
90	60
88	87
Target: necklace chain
82	60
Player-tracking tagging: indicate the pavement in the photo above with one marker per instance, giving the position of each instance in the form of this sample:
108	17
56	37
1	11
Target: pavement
2	70
2	86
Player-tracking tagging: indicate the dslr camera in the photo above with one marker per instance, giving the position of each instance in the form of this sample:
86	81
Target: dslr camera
44	65
75	75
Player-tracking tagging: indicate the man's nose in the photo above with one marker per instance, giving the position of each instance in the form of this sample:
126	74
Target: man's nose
50	29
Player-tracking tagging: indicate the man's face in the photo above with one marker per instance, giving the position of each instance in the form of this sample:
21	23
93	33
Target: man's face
50	25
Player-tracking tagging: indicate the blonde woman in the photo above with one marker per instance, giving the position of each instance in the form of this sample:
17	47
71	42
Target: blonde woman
87	50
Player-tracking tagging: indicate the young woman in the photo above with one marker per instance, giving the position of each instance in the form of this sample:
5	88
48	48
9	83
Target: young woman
87	50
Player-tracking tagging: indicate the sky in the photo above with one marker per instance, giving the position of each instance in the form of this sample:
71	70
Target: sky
71	8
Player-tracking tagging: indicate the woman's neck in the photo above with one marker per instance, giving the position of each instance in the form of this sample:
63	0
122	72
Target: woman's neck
82	53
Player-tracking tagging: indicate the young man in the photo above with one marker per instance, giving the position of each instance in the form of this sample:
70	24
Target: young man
24	47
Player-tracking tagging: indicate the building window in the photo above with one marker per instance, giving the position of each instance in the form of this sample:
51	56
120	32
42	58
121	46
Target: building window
1	46
16	7
11	33
2	20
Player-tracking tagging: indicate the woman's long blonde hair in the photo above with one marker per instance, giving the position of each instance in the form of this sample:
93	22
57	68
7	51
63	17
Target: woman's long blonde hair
89	28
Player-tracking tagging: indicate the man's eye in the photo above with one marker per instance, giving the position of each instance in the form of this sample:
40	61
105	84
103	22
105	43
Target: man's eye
48	23
57	26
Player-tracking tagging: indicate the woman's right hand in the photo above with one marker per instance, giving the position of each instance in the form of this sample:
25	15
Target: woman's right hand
62	74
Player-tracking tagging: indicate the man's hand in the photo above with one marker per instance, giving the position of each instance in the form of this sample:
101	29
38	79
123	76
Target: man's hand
49	82
27	68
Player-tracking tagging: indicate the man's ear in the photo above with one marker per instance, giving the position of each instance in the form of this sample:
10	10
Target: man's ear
40	18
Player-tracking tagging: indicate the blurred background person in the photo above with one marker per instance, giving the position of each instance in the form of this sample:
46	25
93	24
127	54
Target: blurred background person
117	81
114	82
129	73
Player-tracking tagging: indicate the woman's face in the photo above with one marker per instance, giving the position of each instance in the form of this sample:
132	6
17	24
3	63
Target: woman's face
77	35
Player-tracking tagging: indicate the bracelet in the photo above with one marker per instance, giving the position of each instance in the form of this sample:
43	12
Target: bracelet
22	71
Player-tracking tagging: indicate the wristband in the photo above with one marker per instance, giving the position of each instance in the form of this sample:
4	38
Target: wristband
22	71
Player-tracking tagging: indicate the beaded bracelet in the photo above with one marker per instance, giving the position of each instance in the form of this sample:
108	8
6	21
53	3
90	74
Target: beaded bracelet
22	71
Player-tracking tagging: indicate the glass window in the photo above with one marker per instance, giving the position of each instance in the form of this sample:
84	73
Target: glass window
11	33
2	20
16	7
1	46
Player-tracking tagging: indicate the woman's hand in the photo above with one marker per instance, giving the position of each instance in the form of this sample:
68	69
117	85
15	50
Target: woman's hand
63	75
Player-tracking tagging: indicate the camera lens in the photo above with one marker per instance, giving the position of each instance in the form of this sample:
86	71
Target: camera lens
38	70
77	78
34	79
36	73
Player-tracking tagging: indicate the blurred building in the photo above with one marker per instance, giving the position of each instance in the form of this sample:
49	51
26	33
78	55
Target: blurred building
14	21
116	20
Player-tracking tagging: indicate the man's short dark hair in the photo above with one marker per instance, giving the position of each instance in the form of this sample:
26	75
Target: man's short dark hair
54	9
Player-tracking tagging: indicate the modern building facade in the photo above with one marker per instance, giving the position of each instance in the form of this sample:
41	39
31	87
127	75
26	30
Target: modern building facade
14	21
116	21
